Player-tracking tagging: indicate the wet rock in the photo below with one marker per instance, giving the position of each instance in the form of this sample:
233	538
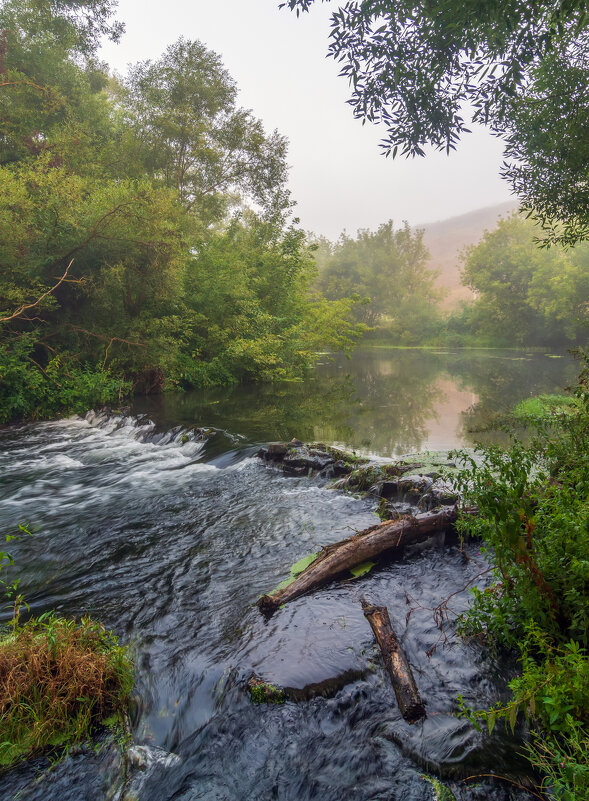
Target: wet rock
441	493
276	450
307	457
407	467
389	488
366	479
263	692
289	470
341	468
412	487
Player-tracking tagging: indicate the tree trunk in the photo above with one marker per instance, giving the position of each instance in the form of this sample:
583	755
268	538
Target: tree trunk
362	547
410	704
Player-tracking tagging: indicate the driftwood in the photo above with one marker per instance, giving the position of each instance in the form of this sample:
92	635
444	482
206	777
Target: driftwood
410	704
339	558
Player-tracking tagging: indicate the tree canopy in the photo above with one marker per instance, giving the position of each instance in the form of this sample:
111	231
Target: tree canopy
145	239
526	295
387	270
421	68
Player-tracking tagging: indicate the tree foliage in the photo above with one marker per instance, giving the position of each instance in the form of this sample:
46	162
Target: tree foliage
387	270
521	67
526	295
194	137
144	240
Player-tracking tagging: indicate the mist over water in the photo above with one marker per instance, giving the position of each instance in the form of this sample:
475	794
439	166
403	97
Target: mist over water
382	401
168	535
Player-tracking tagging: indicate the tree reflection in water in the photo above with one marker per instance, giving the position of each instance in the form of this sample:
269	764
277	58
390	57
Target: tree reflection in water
381	400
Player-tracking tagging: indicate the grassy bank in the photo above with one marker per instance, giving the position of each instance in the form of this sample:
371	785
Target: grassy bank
58	680
533	504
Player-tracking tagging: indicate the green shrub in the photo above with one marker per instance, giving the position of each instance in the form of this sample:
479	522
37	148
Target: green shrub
533	516
29	391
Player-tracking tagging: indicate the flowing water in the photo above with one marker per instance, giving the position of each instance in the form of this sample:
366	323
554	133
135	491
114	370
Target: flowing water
169	535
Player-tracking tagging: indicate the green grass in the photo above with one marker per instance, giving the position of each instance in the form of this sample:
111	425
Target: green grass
544	407
58	680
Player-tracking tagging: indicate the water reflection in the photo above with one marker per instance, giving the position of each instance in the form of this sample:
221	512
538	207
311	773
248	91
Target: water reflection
383	401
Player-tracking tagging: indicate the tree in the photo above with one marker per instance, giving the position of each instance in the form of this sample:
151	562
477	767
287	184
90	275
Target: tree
387	268
546	132
526	295
195	138
128	255
416	65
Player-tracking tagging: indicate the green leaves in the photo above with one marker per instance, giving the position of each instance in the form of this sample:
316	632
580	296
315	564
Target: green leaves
362	570
534	516
520	67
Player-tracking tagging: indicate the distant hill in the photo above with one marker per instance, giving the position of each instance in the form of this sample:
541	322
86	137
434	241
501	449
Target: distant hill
445	240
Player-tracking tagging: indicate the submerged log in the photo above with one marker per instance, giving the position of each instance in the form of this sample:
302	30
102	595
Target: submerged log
339	558
410	704
261	691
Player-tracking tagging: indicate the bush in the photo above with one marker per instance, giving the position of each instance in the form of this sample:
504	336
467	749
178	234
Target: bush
533	505
28	391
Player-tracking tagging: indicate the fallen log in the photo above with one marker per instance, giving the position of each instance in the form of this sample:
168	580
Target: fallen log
339	558
410	704
261	691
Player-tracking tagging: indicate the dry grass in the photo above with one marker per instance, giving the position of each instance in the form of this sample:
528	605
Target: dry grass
58	679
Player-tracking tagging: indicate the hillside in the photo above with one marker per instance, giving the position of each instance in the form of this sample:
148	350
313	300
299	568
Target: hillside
447	238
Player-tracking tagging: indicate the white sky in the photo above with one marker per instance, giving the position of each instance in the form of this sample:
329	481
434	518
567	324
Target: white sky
338	177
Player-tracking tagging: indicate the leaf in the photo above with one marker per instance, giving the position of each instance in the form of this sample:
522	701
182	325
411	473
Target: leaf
362	570
513	716
491	718
302	564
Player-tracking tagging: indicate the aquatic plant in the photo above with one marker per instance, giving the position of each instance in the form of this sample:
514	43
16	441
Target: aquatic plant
262	692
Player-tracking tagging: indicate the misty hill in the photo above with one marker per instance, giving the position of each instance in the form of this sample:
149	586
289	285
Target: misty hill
445	240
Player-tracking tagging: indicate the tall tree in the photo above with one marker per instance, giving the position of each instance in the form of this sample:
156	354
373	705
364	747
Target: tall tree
526	295
387	268
195	137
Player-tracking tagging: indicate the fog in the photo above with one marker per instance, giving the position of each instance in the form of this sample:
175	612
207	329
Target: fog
338	178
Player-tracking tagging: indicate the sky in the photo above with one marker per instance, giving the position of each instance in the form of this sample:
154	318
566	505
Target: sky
338	176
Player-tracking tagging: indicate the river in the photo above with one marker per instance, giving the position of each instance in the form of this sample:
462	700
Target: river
169	537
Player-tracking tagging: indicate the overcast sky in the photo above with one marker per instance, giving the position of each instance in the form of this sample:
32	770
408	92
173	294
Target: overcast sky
338	177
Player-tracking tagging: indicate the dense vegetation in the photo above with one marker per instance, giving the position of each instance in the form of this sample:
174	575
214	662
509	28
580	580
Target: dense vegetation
386	271
58	679
144	234
533	505
525	295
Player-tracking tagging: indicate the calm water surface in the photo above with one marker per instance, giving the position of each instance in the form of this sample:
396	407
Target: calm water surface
381	401
170	540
